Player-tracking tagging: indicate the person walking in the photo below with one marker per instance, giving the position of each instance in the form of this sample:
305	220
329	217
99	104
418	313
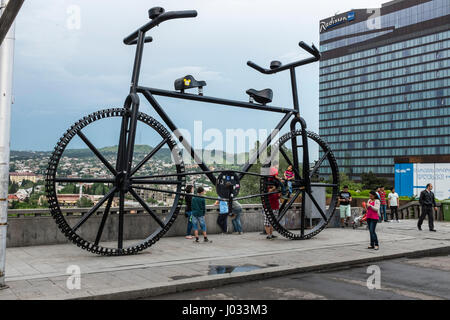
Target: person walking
373	209
427	201
237	211
198	215
188	213
345	206
383	204
394	203
223	215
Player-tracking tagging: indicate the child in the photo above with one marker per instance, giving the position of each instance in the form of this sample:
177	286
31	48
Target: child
198	214
223	215
289	176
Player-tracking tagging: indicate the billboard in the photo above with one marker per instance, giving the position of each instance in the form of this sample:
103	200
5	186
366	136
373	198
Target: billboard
412	178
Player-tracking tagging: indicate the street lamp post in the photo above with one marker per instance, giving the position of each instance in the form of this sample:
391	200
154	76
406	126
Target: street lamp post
6	79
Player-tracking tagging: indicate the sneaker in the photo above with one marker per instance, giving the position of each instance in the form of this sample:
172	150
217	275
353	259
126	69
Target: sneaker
240	233
196	240
269	237
189	237
433	230
274	237
206	240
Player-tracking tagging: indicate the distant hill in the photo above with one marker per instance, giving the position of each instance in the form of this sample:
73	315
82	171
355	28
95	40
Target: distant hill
140	150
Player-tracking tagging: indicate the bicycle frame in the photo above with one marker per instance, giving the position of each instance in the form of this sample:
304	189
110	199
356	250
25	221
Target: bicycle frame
129	123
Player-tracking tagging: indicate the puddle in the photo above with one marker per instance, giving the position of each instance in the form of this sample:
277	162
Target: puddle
234	269
184	277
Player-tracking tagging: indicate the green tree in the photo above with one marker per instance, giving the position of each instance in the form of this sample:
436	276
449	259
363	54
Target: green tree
370	181
70	189
26	184
13	188
84	202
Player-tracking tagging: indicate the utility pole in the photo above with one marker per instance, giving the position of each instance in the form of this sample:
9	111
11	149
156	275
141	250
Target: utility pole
6	79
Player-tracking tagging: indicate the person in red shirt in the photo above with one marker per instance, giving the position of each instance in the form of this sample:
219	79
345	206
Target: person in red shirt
383	215
274	200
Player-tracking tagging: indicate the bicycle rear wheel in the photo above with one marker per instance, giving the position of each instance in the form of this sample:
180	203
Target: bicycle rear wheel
324	175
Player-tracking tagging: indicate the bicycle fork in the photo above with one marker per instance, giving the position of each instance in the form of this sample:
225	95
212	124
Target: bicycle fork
306	170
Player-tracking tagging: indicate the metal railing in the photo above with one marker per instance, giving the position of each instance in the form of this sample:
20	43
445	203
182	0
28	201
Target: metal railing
413	210
19	213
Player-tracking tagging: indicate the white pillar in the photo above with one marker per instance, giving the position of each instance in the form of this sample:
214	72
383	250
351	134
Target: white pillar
6	80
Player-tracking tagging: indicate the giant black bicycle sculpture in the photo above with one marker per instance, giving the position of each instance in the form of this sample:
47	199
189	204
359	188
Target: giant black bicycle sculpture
293	147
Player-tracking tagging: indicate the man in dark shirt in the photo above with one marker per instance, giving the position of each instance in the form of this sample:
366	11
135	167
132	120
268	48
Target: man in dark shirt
345	201
427	202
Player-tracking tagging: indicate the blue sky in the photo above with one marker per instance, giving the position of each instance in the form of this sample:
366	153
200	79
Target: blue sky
62	74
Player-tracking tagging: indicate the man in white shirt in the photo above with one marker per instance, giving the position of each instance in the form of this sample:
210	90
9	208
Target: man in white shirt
393	203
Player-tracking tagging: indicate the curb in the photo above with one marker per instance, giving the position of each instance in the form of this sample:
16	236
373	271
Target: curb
208	282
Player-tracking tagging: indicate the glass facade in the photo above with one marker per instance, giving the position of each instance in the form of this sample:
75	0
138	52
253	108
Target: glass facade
391	97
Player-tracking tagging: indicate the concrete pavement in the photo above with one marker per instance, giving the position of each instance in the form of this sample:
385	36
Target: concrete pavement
400	279
176	264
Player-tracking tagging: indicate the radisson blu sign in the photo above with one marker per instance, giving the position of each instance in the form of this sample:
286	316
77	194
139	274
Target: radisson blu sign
335	21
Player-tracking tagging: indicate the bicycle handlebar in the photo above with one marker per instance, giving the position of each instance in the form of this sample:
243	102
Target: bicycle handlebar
158	20
310	49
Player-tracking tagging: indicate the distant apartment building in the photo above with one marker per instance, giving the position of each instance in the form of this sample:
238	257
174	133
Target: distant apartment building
385	84
18	177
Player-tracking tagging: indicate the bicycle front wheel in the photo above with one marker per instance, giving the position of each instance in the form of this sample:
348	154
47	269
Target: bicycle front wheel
113	216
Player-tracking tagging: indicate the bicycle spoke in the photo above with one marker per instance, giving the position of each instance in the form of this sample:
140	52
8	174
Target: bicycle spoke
146	207
83	180
286	207
289	162
102	224
121	213
148	157
319	163
318	207
97	153
255	195
93	209
144	181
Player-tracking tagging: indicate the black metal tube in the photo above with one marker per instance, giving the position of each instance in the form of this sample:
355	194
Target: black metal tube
155	22
282	68
233	103
294	90
137	62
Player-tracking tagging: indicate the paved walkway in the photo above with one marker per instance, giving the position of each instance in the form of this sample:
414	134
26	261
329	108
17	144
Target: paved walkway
177	264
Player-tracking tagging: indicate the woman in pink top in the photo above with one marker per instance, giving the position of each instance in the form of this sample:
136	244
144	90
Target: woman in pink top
373	209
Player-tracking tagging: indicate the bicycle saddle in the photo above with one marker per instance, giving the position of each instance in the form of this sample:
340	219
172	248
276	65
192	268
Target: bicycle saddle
264	96
188	82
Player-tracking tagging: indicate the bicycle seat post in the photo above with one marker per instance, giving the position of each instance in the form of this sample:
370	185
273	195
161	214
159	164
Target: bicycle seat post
137	62
294	90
